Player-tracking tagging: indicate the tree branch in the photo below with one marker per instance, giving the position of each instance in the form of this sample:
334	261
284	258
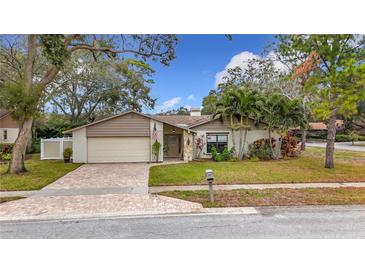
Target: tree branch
112	51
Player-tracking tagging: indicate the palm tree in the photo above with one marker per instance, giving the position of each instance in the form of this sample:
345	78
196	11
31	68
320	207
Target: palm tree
271	109
280	113
294	115
247	108
226	109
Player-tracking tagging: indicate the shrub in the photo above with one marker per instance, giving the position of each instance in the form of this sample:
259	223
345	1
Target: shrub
233	154
5	156
349	138
343	138
67	153
354	136
261	149
214	153
5	151
6	148
317	135
219	157
260	142
156	149
289	146
264	152
35	147
226	155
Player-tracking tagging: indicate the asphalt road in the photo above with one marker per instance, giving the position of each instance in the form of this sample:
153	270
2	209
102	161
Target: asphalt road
294	222
340	145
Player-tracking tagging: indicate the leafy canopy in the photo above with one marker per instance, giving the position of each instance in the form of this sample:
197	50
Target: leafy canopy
336	81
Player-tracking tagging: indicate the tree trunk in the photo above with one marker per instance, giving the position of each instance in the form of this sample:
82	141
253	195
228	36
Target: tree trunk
16	164
304	131
245	137
233	136
240	145
240	142
331	135
272	150
234	142
30	139
244	142
304	140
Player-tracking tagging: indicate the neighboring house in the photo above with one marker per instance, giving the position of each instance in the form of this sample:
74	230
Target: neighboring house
128	137
9	128
320	126
319	129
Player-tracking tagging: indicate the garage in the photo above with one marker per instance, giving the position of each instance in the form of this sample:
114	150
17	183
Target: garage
118	149
126	137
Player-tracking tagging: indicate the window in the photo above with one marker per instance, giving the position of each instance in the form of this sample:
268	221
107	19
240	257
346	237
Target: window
5	134
219	141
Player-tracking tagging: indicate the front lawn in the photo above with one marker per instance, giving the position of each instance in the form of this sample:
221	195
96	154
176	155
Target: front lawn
39	174
274	197
349	166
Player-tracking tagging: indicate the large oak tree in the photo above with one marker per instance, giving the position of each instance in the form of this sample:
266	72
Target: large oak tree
24	96
87	88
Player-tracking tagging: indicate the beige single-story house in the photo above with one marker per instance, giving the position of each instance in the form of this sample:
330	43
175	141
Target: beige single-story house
128	137
9	128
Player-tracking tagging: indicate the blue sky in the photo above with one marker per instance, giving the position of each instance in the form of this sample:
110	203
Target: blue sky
198	60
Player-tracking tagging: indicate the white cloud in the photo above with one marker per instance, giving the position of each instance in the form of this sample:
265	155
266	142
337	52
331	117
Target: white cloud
168	105
191	97
188	107
241	60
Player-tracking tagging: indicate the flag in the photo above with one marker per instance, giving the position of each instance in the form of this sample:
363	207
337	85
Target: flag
154	133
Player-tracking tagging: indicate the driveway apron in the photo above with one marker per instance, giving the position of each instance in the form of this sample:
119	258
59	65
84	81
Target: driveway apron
91	179
96	190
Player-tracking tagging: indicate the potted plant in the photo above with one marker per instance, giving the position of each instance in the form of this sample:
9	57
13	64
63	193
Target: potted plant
67	154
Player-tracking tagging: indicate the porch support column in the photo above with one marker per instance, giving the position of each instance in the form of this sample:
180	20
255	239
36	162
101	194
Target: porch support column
187	146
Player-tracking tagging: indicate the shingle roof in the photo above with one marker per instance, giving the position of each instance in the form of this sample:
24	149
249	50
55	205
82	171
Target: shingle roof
323	126
182	120
181	123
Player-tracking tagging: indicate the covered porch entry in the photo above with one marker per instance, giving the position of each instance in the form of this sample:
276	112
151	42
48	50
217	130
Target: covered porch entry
177	143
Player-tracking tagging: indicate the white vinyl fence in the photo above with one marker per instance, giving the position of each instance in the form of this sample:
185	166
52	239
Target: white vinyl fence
53	148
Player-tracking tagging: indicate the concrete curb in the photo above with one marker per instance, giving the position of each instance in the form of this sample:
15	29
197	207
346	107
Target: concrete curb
138	214
203	212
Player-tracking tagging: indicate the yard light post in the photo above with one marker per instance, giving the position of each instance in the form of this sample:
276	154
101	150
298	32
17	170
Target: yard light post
210	177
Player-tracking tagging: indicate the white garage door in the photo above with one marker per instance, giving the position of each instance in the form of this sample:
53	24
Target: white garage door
118	149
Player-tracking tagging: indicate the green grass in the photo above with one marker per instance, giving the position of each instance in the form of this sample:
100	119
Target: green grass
274	197
349	166
39	174
8	199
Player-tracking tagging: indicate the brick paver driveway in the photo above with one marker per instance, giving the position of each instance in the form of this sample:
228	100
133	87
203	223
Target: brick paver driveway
91	176
95	190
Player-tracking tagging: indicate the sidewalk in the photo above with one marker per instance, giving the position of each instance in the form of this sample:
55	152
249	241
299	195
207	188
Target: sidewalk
157	189
17	193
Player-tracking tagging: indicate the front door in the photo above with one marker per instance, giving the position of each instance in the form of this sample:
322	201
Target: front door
172	145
